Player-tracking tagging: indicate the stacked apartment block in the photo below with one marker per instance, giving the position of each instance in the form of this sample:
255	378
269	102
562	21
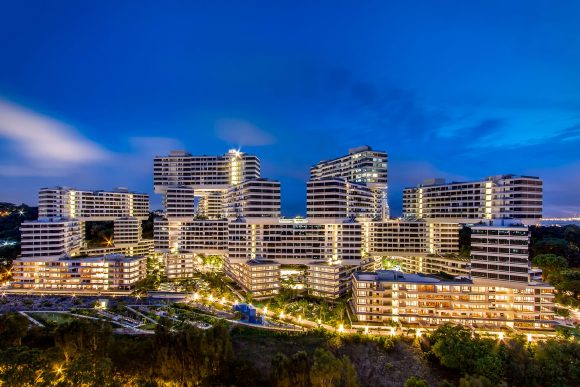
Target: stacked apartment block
53	246
221	205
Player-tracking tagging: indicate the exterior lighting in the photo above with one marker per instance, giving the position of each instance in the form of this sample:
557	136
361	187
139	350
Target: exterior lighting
319	322
265	310
392	331
418	333
366	330
529	337
341	328
299	318
281	314
223	300
501	335
210	298
195	296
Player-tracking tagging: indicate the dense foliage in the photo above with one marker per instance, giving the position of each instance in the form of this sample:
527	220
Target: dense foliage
562	241
86	352
484	361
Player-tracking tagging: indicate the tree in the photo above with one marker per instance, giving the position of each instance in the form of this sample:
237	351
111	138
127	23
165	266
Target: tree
326	369
300	369
13	327
279	375
550	264
83	336
475	381
349	378
455	348
558	363
414	381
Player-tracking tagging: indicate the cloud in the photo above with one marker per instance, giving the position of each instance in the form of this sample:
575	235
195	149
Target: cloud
43	144
240	132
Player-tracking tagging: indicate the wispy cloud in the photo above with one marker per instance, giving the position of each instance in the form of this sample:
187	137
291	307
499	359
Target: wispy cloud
40	145
240	132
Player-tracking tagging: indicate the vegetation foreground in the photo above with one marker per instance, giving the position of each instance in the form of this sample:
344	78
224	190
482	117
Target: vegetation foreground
87	353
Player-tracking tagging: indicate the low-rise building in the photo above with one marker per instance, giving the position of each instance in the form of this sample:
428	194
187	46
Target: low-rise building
388	297
327	280
107	273
261	278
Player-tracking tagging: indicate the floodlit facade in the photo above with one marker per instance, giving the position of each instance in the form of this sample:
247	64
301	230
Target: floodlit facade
337	198
261	278
328	280
204	172
50	237
127	231
418	245
71	203
182	242
179	202
209	176
501	253
200	236
496	197
107	273
256	198
143	248
362	165
294	241
390	297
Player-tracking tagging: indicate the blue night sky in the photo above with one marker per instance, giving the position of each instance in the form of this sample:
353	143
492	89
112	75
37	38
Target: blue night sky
90	91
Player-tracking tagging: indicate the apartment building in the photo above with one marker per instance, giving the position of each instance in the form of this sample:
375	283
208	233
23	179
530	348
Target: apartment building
71	203
337	198
496	197
50	237
209	176
179	202
328	280
204	172
451	264
294	241
127	231
142	248
106	273
425	301
182	242
256	198
500	252
362	165
261	278
202	236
